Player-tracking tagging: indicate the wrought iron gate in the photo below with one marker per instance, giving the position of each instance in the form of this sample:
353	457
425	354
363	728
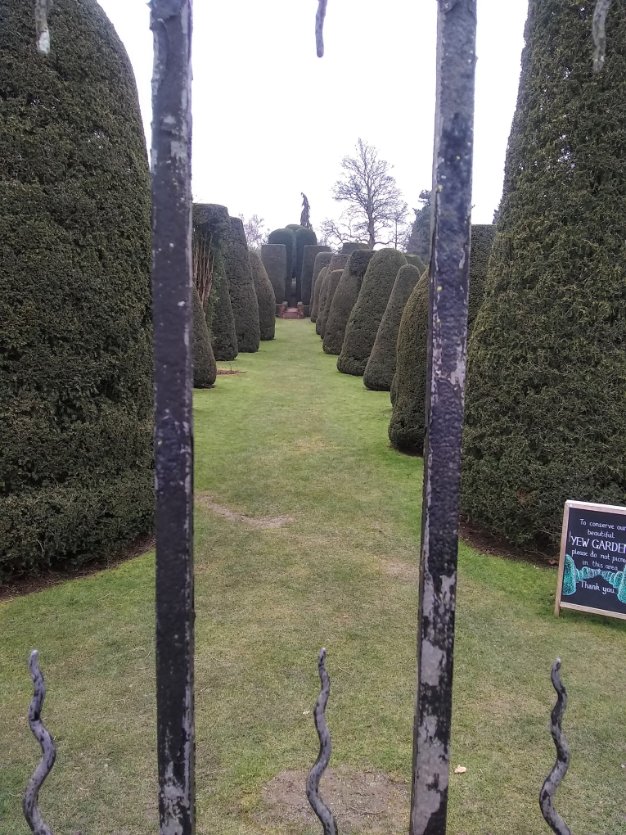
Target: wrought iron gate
171	23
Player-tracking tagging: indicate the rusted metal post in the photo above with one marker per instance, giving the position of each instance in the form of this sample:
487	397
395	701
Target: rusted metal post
171	23
449	271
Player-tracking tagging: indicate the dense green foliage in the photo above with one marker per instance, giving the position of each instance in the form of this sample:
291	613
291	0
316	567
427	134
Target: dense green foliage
407	426
337	262
305	236
322	259
222	329
265	297
547	366
288	239
344	300
306	276
204	368
76	477
368	311
211	228
331	284
381	365
241	289
274	257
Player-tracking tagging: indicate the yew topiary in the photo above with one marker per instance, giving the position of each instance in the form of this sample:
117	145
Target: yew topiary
76	473
305	236
332	282
344	300
368	311
408	420
322	260
241	289
337	262
204	368
265	297
274	257
545	418
288	239
306	276
406	427
381	365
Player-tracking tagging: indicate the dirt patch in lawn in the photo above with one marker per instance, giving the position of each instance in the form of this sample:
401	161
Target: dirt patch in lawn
259	522
362	802
401	570
223	372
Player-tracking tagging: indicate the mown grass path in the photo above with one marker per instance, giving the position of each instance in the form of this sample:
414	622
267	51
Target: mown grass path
291	437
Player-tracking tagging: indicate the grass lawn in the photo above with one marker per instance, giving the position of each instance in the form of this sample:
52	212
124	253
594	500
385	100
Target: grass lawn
290	436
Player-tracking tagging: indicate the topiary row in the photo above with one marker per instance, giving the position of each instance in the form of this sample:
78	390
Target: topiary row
344	300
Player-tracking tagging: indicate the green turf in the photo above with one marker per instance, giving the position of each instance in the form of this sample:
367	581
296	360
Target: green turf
291	436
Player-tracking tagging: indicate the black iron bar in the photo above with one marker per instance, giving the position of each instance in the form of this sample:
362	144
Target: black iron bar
449	272
171	23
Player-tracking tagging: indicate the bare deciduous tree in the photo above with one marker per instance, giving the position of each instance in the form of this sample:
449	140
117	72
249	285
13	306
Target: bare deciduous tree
373	197
256	233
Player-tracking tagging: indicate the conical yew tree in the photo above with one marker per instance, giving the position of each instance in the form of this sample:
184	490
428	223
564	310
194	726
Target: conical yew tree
345	297
547	365
265	297
76	477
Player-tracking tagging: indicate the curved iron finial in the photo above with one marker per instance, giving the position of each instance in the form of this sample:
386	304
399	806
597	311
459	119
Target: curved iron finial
322	811
48	748
319	27
553	780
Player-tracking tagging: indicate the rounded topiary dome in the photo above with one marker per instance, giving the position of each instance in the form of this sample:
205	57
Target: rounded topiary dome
368	311
265	297
344	300
286	237
381	365
75	321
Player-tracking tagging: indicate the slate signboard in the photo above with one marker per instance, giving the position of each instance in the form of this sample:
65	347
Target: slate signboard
592	567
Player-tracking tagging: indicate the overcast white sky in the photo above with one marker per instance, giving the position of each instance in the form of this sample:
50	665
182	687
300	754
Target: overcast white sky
271	119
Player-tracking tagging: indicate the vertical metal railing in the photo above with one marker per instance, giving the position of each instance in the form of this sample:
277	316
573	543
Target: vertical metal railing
449	273
171	23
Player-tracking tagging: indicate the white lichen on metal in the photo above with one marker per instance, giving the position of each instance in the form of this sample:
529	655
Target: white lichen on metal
42	8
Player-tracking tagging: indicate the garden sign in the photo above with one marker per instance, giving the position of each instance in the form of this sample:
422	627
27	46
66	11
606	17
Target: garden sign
592	567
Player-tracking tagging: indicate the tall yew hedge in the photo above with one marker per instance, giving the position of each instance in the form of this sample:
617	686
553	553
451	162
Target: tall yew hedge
76	476
547	363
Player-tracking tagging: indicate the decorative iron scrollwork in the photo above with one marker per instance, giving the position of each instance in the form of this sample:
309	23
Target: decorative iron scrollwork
48	748
322	811
553	780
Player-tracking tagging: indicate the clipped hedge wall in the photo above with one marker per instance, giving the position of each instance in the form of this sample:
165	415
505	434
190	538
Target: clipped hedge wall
368	311
241	289
265	297
288	239
322	260
204	367
545	417
381	365
344	300
76	473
